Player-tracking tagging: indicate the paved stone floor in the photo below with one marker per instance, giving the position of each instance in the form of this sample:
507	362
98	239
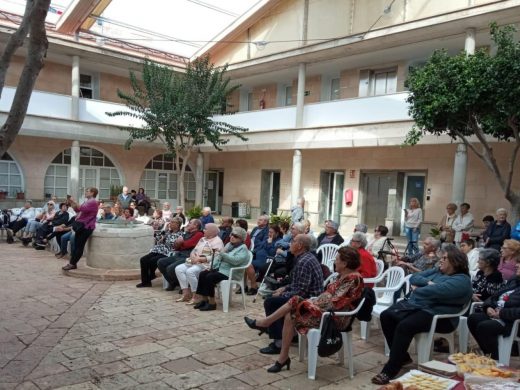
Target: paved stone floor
62	332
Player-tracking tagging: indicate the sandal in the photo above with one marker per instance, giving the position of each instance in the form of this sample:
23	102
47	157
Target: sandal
381	379
183	299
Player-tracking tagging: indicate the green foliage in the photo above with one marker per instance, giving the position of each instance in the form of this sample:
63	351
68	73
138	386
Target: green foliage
435	233
276	219
177	108
194	212
463	94
116	190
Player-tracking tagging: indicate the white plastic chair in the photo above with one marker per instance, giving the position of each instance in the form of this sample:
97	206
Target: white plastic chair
225	285
310	344
252	245
384	295
506	343
424	341
328	254
332	277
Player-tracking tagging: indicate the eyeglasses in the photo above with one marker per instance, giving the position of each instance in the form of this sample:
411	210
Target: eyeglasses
236	236
355	241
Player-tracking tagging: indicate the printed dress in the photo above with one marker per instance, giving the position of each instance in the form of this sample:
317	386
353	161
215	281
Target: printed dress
342	295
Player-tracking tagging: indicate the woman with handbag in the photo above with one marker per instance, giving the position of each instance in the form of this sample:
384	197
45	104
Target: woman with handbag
443	290
83	226
445	226
304	314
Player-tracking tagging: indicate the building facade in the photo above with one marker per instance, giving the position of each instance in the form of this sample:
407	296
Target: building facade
322	92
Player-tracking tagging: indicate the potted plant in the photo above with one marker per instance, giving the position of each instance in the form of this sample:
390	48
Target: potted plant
20	194
3	193
115	190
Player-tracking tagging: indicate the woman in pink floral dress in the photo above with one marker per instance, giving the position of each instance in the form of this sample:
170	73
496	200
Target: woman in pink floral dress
305	314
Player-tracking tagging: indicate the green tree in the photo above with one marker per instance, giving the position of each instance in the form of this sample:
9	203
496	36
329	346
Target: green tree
33	23
473	99
177	109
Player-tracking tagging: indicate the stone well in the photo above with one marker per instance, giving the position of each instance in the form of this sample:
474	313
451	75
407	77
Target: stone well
119	245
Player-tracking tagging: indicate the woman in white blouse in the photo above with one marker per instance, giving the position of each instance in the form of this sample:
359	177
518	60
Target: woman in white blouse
412	223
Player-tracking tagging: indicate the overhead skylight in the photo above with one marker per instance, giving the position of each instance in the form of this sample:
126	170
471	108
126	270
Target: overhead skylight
176	26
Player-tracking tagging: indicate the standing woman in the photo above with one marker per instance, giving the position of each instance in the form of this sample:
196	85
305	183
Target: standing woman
83	226
412	221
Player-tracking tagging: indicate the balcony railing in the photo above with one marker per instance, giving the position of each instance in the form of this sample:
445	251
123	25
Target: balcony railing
356	111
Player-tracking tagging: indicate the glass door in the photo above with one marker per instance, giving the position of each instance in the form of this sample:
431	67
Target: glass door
88	177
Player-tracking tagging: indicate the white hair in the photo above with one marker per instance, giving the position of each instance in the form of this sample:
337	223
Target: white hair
207	209
501	211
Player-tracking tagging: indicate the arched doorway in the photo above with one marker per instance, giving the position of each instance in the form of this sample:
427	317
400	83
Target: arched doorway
160	181
95	170
11	178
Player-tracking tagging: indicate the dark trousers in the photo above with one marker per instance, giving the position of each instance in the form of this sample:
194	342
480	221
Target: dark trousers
486	332
17	225
148	266
272	304
399	333
208	280
80	240
167	266
43	231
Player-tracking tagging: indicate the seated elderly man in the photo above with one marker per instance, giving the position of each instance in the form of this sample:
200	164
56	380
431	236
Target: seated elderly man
206	216
260	233
306	281
26	214
183	247
225	228
368	268
200	259
423	260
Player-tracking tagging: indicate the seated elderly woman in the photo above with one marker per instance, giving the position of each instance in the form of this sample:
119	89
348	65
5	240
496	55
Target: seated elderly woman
368	268
164	244
498	314
378	242
442	290
329	236
488	279
510	252
304	314
235	254
166	211
267	250
199	260
157	221
32	225
498	231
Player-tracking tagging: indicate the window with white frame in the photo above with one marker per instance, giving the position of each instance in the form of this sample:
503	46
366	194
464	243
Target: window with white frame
383	82
288	95
373	82
159	182
335	92
10	176
95	169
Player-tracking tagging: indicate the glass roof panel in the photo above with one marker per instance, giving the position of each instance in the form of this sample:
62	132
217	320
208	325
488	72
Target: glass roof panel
18	7
177	26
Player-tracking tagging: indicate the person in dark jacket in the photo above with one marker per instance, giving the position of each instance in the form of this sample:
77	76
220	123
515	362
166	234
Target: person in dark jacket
329	236
498	314
443	290
498	231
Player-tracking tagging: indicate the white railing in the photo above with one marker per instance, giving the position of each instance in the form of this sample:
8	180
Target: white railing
356	111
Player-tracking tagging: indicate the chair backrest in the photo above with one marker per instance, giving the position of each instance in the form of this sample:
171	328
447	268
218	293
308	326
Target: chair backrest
252	246
328	254
380	264
332	277
472	274
394	280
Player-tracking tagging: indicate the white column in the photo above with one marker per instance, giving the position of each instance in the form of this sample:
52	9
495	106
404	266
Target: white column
296	176
300	95
199	179
74	109
460	165
74	170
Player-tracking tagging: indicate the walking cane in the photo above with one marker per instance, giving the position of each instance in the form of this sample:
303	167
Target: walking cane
271	261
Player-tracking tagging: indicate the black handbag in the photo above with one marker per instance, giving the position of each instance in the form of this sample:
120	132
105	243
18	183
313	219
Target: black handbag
330	339
78	226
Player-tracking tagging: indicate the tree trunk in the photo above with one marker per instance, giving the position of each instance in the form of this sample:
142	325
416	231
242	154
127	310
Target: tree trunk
33	64
514	214
15	41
